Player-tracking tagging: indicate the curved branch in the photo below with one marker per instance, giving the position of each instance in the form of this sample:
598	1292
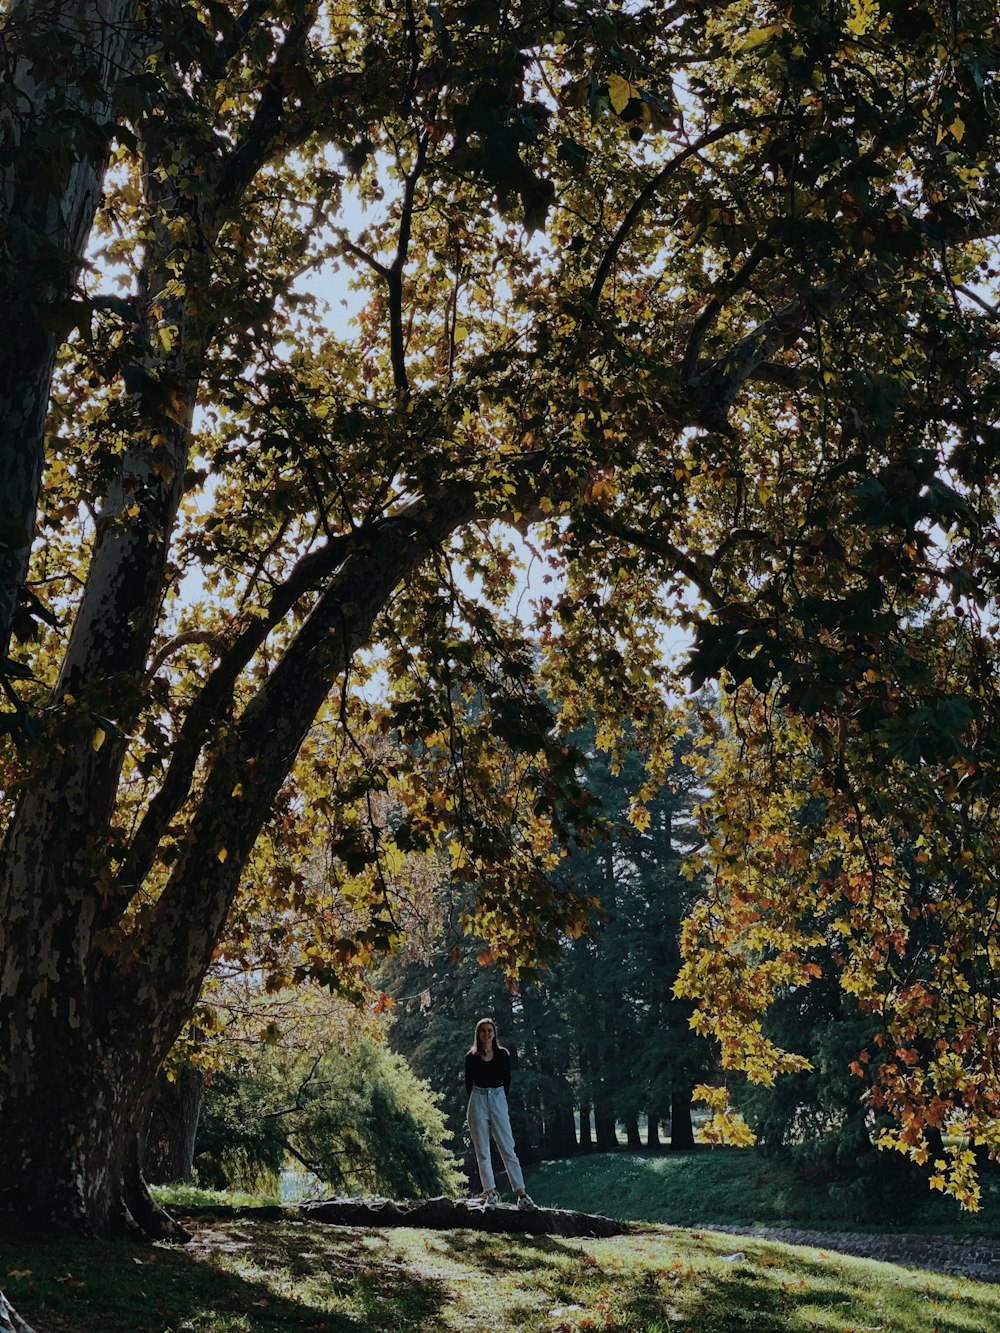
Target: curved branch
207	709
255	758
181	641
693	569
644	198
723	293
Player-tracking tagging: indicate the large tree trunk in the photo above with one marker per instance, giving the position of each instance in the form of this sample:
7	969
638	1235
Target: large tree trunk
560	1130
61	97
167	1152
632	1130
70	1120
653	1130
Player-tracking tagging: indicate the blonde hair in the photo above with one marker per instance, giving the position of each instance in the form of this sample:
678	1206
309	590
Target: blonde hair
476	1047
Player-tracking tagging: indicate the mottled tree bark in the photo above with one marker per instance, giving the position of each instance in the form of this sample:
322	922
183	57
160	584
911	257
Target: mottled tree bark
45	219
167	1154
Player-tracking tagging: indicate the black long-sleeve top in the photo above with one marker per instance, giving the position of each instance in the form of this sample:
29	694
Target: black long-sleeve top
495	1073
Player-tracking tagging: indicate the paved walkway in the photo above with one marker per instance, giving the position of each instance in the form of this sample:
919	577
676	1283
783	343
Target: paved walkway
972	1256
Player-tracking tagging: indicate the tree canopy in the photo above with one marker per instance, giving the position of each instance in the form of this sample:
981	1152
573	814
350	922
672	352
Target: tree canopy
699	297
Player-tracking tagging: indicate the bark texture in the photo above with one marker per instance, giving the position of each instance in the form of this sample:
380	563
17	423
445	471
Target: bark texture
87	1016
64	60
168	1155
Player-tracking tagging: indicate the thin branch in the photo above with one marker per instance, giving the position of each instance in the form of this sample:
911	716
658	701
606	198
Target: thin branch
297	1104
350	248
723	293
974	296
395	276
181	641
644	198
688	566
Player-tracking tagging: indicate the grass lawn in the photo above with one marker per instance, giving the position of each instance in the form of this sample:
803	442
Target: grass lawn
738	1186
254	1276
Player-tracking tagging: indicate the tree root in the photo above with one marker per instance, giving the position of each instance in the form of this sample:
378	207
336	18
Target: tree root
438	1213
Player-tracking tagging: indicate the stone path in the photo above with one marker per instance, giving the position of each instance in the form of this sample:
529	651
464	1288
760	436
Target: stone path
972	1256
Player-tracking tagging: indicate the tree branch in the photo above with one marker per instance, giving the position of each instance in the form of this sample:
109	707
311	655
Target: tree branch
264	131
181	641
715	387
208	708
395	274
692	568
723	293
974	296
642	201
177	945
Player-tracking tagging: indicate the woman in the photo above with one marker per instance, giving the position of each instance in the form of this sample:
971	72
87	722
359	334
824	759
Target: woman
487	1081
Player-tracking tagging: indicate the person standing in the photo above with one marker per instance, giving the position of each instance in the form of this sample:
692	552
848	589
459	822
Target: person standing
487	1082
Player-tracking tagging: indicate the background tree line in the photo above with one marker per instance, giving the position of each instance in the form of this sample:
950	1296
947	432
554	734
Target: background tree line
600	1039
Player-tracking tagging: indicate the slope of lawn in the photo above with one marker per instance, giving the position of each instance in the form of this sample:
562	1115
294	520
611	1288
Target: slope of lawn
739	1187
253	1276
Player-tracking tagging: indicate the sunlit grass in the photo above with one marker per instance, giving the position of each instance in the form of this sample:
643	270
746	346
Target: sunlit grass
192	1196
253	1276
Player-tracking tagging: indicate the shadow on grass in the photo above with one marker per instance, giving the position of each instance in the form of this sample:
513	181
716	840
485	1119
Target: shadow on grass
747	1301
767	1291
279	1280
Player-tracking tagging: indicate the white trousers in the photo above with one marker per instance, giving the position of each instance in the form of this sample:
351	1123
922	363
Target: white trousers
488	1115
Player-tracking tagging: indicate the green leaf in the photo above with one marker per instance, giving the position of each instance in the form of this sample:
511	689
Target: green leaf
758	36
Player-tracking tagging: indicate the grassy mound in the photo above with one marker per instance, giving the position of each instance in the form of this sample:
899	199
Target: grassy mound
281	1277
738	1187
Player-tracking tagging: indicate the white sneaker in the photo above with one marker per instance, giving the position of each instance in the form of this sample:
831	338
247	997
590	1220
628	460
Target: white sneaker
491	1198
526	1203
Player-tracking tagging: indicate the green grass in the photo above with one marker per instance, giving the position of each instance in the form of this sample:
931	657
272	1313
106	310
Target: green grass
738	1187
192	1196
280	1277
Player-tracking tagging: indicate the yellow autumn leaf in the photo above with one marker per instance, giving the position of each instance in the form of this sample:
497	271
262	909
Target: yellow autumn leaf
100	736
957	128
639	817
222	854
621	92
